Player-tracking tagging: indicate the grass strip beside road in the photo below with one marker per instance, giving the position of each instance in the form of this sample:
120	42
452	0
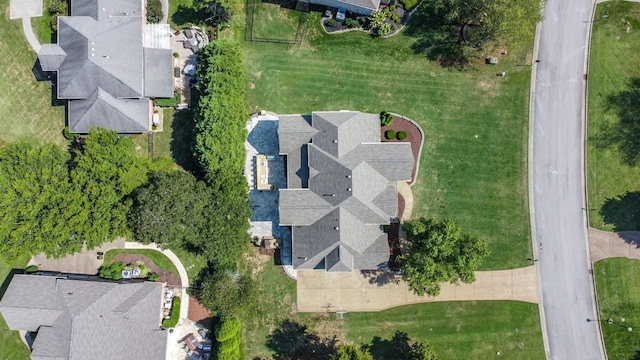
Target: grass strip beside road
613	186
618	287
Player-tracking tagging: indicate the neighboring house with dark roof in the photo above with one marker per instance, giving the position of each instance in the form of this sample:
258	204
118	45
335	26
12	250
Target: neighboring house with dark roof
361	7
341	189
78	319
104	69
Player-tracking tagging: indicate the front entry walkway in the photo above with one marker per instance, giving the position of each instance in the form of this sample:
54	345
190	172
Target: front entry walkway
320	291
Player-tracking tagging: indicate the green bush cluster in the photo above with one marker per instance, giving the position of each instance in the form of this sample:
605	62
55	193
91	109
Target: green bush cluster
31	269
174	316
351	23
386	118
229	338
390	134
401	135
332	23
113	271
154	11
384	29
409	4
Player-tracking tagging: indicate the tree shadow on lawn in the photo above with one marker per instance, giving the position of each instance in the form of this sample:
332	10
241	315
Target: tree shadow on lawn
395	348
623	211
436	38
182	140
293	341
623	135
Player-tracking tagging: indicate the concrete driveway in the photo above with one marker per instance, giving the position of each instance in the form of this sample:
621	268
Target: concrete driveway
320	291
85	262
557	183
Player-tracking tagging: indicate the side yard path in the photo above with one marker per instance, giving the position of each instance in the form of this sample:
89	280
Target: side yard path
606	244
374	291
184	278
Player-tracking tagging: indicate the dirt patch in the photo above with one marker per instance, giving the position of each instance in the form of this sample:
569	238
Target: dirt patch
165	275
252	86
199	313
414	136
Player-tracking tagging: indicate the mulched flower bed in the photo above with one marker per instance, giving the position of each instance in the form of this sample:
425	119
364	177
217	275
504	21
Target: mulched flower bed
198	313
414	136
394	245
165	275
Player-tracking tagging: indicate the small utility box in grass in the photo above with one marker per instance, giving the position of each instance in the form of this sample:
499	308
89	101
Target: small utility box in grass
492	60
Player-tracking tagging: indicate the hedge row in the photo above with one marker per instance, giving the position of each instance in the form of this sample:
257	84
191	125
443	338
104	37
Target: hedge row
229	338
220	116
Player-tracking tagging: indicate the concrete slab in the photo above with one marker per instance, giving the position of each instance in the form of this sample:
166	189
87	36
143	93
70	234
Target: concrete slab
318	289
85	262
25	9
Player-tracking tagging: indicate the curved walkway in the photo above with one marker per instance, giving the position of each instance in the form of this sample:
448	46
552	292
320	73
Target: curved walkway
184	278
404	189
320	291
605	244
30	35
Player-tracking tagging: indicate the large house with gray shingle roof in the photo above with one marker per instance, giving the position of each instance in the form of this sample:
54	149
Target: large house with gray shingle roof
104	69
341	189
78	319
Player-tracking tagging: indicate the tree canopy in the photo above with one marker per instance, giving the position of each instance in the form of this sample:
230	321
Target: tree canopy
351	352
177	210
439	252
227	292
451	29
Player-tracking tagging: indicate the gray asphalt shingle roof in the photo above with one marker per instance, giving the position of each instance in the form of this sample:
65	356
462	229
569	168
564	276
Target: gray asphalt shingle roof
351	192
94	320
100	46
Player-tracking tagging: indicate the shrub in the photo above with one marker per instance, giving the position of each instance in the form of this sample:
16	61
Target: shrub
227	328
69	136
113	271
170	102
409	4
386	118
31	269
390	134
384	29
154	11
395	17
332	23
401	135
392	8
153	277
351	23
376	18
174	316
176	55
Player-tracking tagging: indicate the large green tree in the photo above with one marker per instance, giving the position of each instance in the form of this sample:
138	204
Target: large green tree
452	29
227	292
40	209
422	351
439	252
351	352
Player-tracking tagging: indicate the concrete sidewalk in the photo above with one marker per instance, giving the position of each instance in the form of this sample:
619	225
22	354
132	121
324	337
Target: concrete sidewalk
605	244
359	291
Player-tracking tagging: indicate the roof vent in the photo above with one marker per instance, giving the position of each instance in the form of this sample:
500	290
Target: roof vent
335	141
348	189
348	176
336	228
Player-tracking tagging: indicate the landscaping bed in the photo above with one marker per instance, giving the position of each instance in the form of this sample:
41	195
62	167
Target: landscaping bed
414	136
165	275
198	313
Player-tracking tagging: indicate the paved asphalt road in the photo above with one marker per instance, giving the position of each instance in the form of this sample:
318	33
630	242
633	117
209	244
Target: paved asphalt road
558	185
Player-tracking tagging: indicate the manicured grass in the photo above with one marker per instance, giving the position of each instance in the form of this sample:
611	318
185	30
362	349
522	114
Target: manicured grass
193	263
613	65
11	346
275	20
26	112
618	288
174	316
473	166
457	330
42	25
157	257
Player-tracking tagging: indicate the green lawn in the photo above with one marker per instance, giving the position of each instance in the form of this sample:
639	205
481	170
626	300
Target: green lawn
613	117
618	289
11	346
25	105
473	166
157	257
275	20
457	330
